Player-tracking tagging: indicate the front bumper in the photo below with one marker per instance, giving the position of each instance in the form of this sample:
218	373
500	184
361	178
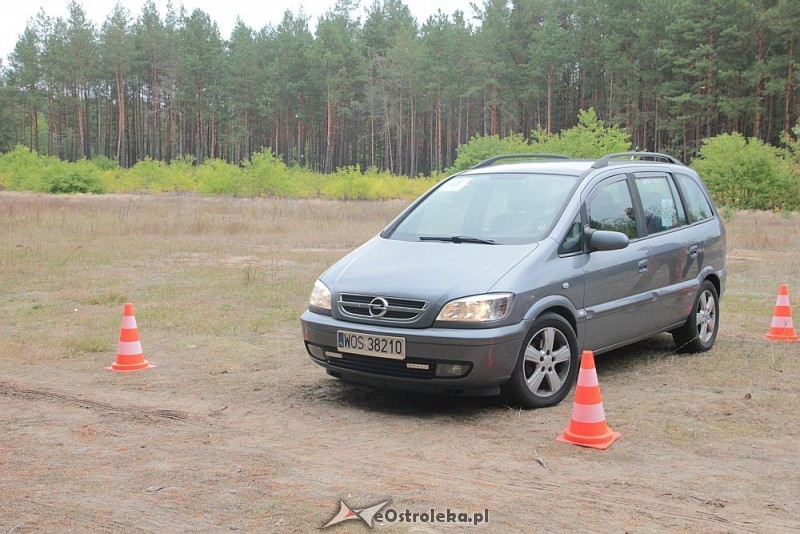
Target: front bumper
491	354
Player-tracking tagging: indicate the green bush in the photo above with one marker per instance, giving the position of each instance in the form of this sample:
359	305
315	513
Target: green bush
104	163
481	147
154	175
347	183
217	177
73	180
266	175
25	170
590	138
748	174
792	141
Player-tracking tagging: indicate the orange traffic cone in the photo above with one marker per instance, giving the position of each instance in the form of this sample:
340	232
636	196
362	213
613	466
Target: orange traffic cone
129	349
587	426
782	328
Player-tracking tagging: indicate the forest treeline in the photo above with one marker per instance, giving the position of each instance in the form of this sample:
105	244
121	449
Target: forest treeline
388	92
741	173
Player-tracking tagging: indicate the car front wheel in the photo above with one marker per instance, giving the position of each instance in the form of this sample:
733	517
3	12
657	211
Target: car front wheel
700	330
546	366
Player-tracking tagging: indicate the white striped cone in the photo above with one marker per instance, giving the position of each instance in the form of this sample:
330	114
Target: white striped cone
782	328
587	426
130	356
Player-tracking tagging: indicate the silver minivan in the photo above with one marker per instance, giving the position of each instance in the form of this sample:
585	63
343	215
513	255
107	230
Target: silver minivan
496	279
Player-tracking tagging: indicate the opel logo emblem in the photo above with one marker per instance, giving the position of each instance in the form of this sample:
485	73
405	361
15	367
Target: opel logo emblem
378	307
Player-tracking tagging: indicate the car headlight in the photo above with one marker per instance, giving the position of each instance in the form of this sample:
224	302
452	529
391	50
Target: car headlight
320	296
477	309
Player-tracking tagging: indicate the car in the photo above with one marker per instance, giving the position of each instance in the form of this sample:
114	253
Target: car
498	278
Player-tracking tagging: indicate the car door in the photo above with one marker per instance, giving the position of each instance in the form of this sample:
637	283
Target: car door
617	294
672	266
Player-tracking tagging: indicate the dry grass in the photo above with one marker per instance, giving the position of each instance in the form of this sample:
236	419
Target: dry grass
198	266
267	442
211	266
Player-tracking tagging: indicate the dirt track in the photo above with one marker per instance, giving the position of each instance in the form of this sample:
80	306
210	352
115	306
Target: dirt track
148	452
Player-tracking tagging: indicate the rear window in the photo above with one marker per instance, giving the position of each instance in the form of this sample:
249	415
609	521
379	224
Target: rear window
662	209
698	207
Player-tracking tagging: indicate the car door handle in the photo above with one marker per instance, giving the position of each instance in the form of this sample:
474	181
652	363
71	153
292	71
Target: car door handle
693	251
643	266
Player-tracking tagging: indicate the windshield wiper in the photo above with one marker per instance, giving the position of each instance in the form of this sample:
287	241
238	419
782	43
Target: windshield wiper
457	239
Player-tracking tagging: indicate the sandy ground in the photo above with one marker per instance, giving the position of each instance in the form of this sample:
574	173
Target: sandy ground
276	449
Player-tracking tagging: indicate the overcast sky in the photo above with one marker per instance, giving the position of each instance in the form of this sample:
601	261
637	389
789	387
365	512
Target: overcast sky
255	13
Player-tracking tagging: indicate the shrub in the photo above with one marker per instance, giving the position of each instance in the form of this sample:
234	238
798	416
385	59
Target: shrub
75	182
154	175
25	170
480	148
347	183
217	177
590	138
792	141
748	174
266	175
104	163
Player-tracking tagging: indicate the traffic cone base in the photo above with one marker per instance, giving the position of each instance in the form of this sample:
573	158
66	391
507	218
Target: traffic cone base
116	366
781	328
129	350
601	441
587	426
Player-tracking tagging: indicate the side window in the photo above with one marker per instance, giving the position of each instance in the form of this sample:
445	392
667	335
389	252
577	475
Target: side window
662	208
611	208
698	208
573	242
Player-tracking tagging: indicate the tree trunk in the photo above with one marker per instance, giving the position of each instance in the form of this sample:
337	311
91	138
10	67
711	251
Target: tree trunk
787	111
439	130
709	89
399	166
495	112
759	79
329	138
214	148
449	137
50	122
567	96
169	130
79	110
549	99
34	133
388	156
155	126
121	119
413	169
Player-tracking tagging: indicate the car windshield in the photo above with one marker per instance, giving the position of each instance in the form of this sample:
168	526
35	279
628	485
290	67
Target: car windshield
507	208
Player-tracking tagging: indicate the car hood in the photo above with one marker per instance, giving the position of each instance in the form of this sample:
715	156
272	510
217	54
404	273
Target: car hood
433	271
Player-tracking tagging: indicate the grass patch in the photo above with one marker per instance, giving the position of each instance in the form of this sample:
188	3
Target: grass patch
87	345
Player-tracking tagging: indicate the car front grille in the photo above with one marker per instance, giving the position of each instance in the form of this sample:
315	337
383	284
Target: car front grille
385	367
381	308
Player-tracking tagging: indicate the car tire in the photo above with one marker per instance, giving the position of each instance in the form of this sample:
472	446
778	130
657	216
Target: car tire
546	366
700	330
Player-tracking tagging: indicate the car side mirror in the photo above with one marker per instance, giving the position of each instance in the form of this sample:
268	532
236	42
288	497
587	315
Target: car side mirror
600	240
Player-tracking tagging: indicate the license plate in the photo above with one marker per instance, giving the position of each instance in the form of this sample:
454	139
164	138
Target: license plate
371	345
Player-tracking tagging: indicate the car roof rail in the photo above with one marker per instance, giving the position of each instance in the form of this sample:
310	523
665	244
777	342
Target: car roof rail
492	161
649	156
